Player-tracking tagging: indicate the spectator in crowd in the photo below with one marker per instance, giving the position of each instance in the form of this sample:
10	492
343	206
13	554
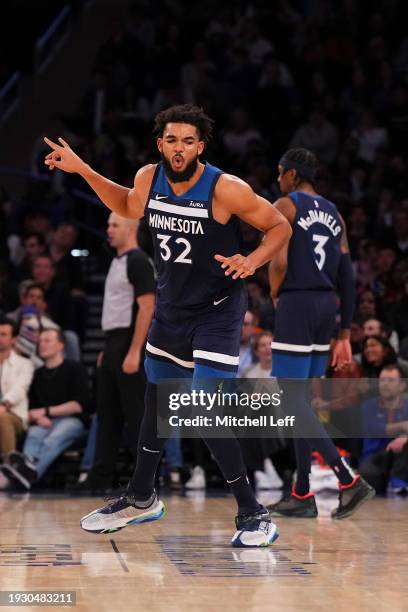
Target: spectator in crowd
128	307
59	400
56	293
370	138
384	285
367	306
385	429
16	373
67	268
246	353
319	135
377	353
374	327
240	136
34	245
31	318
262	347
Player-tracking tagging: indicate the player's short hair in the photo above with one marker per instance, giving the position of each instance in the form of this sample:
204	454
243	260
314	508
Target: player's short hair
184	113
305	163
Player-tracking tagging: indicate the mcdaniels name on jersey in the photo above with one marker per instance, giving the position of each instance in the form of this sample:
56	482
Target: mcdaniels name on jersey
319	216
183	226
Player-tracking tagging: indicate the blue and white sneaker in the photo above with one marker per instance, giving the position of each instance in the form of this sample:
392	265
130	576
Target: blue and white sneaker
254	530
123	511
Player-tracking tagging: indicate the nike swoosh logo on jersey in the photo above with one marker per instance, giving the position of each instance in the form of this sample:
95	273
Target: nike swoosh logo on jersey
216	302
159	197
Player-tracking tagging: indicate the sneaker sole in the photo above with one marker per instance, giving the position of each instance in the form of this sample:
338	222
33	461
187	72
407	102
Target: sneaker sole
370	495
238	544
143	518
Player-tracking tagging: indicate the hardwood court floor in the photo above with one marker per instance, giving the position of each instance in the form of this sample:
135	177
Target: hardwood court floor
184	561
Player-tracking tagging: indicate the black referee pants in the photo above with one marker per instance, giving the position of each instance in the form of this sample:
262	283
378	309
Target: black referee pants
120	401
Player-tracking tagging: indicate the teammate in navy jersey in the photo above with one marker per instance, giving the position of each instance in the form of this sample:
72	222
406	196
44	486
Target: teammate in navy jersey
192	209
304	278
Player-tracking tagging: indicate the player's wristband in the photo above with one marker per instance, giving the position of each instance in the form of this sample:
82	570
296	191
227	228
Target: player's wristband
47	412
347	291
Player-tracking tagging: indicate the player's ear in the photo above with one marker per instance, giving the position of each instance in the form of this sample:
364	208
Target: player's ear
160	144
201	146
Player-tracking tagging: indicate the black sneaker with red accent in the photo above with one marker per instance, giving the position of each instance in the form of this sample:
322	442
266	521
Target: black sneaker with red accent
351	497
296	506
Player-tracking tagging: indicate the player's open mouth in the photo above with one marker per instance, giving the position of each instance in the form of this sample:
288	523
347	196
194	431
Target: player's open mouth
178	161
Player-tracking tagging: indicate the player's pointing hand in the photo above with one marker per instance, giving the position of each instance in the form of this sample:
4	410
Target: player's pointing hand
238	265
63	157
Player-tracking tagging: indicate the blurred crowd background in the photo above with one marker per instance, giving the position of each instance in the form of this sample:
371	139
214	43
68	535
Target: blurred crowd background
331	76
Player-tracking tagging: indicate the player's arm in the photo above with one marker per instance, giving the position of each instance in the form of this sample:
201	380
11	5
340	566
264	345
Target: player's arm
239	199
122	200
342	354
279	263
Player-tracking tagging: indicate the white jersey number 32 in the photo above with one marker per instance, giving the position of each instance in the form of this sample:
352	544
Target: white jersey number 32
166	252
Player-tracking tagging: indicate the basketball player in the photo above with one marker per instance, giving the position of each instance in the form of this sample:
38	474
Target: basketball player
305	276
193	210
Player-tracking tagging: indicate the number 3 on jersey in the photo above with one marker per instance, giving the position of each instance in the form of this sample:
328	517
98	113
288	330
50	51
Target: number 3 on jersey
165	250
319	250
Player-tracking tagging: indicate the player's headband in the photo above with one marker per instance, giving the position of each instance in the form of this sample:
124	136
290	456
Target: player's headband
304	171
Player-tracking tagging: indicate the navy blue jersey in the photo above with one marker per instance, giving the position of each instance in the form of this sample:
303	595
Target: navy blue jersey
186	237
314	248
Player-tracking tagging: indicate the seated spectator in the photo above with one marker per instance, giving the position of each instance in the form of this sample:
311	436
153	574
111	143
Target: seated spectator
246	353
34	246
56	294
66	310
240	134
15	376
262	348
377	353
384	285
369	137
31	318
67	268
367	306
319	135
385	428
59	400
374	327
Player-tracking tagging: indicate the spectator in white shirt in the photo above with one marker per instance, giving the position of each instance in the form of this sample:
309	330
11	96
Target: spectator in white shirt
16	373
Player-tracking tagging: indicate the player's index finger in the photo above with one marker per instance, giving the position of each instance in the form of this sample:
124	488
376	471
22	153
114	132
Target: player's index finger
51	144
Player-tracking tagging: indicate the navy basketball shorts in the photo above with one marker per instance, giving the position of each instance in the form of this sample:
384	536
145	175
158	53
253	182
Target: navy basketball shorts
202	342
305	323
